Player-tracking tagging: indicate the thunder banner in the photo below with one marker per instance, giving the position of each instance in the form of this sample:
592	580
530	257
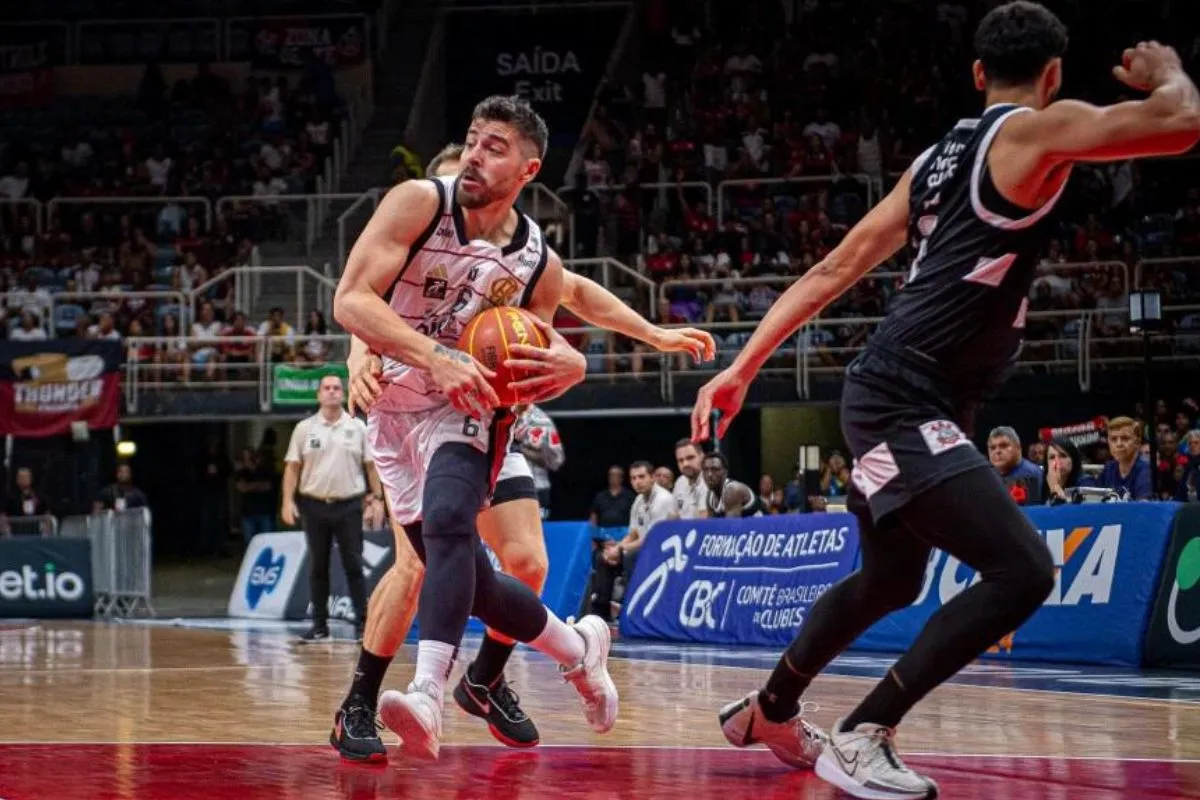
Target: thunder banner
46	386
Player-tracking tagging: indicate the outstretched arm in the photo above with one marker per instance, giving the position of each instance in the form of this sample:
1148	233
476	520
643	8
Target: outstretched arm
876	237
597	306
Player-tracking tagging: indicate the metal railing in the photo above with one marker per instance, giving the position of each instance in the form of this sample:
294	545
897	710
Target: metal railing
11	207
39	525
607	272
248	288
756	183
121	558
542	203
277	215
348	227
54	206
189	364
103	302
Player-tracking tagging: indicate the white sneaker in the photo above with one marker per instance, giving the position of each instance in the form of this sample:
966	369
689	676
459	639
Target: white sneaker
416	717
590	677
797	742
864	764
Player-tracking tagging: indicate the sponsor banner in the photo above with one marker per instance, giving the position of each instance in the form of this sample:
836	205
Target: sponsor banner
45	386
379	553
297	386
273	566
41	577
1108	557
1080	434
339	40
554	58
166	41
1174	636
736	581
28	55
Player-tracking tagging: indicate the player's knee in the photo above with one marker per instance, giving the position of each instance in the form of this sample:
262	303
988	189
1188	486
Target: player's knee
445	514
527	564
1035	575
898	590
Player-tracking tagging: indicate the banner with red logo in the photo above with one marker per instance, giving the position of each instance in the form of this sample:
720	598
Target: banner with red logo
46	386
339	40
28	54
1080	433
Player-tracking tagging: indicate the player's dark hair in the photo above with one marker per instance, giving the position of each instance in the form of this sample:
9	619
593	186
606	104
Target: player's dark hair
1017	40
646	465
686	442
451	152
719	457
515	110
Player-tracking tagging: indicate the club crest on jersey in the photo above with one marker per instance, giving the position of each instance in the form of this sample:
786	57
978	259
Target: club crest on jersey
502	291
941	435
435	283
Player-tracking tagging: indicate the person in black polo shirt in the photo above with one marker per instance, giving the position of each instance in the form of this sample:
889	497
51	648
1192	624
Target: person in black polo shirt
122	494
255	482
610	508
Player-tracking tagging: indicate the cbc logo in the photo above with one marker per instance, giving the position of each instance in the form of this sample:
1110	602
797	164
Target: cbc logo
696	609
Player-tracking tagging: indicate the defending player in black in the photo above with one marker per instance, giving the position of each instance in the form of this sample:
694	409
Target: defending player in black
974	207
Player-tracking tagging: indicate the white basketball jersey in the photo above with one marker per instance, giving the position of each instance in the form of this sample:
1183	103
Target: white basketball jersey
447	281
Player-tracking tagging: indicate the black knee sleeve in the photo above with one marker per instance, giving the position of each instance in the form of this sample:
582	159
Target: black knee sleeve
505	604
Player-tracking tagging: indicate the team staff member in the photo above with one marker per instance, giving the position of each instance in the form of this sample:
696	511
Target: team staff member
326	460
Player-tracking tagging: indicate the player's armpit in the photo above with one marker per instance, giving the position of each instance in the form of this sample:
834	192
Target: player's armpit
375	264
1071	130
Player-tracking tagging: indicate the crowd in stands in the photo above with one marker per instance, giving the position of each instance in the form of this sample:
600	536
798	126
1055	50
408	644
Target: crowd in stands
78	270
836	100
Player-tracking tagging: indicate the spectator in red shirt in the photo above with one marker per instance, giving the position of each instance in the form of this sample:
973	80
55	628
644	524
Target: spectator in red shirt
238	352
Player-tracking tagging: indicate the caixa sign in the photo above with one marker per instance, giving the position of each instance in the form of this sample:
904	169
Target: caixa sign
1107	560
1085	561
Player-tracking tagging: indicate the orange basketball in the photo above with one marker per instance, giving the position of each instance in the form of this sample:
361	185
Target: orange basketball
488	338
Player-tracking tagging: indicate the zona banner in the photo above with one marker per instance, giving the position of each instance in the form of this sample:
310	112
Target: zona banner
1108	558
339	40
45	386
553	58
297	386
736	581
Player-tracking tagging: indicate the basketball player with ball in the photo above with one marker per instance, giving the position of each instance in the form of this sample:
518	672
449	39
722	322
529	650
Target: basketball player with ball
511	527
434	255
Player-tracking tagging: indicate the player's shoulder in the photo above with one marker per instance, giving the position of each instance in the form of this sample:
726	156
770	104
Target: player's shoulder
424	194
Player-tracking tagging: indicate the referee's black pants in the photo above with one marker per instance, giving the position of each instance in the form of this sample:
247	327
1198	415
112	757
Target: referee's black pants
323	522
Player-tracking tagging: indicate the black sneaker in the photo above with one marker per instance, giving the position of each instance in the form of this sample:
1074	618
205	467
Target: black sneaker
355	734
317	633
501	707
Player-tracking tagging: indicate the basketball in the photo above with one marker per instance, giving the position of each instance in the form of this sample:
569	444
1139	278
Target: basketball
488	337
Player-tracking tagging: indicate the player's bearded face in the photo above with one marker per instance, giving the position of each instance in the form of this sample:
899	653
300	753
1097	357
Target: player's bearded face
491	167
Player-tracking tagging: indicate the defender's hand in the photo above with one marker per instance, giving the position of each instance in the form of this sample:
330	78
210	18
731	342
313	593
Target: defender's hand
1147	66
725	393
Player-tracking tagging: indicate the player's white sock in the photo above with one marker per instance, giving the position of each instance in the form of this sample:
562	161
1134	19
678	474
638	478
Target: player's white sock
435	660
559	641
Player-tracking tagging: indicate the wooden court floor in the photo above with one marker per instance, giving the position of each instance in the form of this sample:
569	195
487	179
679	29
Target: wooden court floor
96	710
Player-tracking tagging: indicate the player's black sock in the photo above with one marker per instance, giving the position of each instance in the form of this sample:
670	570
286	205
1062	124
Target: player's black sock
368	677
971	517
490	662
885	705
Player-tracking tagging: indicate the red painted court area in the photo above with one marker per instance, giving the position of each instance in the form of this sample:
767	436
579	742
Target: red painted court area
287	772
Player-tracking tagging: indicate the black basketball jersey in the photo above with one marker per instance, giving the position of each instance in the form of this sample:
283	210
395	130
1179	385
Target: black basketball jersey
715	501
962	309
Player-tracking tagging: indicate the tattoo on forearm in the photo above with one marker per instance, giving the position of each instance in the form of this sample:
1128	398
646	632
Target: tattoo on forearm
451	353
